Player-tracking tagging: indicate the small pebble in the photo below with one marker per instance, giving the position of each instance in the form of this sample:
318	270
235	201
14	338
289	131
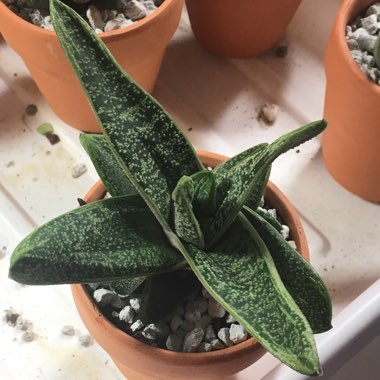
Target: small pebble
68	330
135	10
127	314
224	336
135	303
103	296
28	336
95	18
117	302
192	340
205	321
24	324
78	170
215	310
31	110
269	113
187	325
120	21
230	319
175	323
159	330
204	347
217	344
292	243
193	316
210	334
138	325
11	317
273	212
373	9
285	232
10	164
370	24
86	340
237	334
174	343
199	303
352	44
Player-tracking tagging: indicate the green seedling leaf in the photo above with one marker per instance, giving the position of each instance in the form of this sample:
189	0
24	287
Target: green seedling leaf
106	165
45	128
238	183
150	148
204	201
108	240
125	287
164	293
186	224
240	274
300	279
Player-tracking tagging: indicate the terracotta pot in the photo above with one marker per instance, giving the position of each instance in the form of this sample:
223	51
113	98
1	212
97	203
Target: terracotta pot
139	49
240	29
351	143
139	361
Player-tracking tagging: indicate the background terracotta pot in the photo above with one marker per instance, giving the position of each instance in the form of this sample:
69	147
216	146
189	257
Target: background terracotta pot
139	49
139	361
351	143
240	29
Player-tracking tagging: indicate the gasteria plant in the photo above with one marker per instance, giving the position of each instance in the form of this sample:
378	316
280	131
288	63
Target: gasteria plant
168	212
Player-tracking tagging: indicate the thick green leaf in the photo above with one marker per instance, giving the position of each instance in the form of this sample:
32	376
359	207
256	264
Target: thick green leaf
240	274
237	184
204	202
300	279
152	151
106	165
107	240
125	287
163	293
268	217
186	224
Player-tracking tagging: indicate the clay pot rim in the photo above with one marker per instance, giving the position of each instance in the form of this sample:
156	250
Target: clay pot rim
247	347
342	20
136	27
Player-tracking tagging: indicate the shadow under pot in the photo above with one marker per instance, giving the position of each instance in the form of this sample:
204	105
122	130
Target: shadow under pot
138	48
140	361
351	143
240	29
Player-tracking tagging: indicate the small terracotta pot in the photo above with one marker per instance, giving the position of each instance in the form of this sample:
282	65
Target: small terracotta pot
351	143
240	29
139	49
139	361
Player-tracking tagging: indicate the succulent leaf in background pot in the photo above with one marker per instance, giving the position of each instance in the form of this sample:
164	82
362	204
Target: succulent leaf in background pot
173	224
240	29
139	48
351	144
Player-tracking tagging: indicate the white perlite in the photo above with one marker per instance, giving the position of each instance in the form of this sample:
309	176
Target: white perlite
135	303
68	330
192	340
237	334
101	20
174	343
86	340
224	336
215	310
127	314
361	37
103	296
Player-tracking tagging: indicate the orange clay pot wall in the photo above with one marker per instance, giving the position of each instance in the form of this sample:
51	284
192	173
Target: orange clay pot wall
351	143
240	29
138	361
139	49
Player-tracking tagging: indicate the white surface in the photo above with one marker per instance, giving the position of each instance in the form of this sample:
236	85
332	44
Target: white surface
218	98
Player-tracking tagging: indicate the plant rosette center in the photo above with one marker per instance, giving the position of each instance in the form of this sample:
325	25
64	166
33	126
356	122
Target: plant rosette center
195	323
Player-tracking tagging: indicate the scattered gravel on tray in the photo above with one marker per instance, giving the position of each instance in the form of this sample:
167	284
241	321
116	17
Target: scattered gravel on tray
68	330
86	340
200	324
28	336
11	317
361	36
78	170
268	113
99	18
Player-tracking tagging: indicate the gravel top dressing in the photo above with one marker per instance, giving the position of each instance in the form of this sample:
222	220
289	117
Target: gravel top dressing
361	36
200	324
99	17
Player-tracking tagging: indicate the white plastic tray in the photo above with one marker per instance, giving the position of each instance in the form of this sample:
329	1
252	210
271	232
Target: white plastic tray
219	99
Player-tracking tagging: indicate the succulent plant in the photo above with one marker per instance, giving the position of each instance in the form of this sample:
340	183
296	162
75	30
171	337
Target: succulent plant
168	212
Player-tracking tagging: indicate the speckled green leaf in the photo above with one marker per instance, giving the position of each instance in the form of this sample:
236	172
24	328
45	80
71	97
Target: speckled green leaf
254	199
204	202
152	151
185	222
268	217
240	274
163	293
106	165
107	240
237	184
125	287
300	279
